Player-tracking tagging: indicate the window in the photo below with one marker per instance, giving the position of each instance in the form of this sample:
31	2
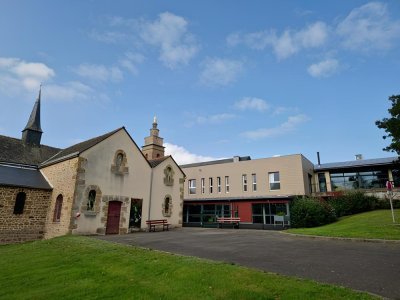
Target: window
211	184
226	184
167	206
192	186
244	182
274	181
91	200
322	182
57	208
219	184
203	186
19	203
254	182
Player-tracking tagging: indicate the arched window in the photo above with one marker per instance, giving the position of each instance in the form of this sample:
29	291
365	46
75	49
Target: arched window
91	200
57	208
19	203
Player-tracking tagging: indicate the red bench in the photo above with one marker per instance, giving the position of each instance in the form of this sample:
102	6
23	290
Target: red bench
153	223
234	221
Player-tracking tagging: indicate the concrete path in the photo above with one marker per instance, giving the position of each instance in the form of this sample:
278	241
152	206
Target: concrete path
372	267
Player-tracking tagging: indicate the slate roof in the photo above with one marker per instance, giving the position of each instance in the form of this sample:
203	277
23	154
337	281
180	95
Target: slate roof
76	149
34	119
215	162
23	177
356	163
15	151
155	162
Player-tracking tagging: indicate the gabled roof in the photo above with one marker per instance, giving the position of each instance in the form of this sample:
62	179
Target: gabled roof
155	162
357	163
15	151
23	177
76	149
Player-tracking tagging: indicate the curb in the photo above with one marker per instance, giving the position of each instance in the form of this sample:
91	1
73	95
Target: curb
320	237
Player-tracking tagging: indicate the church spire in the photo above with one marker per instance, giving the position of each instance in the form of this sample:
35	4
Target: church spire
32	132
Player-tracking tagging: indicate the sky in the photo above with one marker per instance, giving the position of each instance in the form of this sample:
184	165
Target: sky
224	78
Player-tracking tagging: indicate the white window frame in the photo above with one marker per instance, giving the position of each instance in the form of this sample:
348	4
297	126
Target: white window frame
227	184
244	182
210	181
192	186
272	181
203	186
219	185
254	182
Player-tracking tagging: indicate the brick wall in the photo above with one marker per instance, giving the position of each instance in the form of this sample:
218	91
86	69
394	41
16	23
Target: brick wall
63	177
28	226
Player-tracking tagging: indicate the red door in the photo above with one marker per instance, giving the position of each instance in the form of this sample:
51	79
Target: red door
114	211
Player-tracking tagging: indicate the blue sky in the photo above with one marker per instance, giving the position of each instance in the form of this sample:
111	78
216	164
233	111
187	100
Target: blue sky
224	78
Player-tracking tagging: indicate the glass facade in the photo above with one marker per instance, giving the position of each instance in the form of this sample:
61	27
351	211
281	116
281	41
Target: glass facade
265	213
205	213
366	179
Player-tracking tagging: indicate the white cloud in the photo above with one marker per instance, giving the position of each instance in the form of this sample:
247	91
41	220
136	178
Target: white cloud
369	27
169	32
249	103
20	78
214	119
324	68
28	75
131	61
220	71
183	156
99	72
291	124
286	44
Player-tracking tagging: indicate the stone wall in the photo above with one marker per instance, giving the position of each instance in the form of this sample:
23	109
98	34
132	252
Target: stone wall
64	177
28	226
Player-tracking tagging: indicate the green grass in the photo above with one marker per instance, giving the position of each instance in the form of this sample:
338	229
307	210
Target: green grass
375	224
75	267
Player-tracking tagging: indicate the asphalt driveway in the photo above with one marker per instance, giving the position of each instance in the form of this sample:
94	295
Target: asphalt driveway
367	266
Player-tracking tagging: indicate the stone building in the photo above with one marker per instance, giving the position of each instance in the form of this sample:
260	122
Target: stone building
104	185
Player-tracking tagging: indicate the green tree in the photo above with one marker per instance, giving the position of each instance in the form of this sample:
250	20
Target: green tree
392	125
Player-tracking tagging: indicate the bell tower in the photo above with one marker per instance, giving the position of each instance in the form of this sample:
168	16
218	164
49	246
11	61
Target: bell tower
153	145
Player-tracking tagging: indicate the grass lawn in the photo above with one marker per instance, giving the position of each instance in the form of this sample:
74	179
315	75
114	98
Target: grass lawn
375	224
75	267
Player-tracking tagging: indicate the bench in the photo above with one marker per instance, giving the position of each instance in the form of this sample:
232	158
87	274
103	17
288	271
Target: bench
234	221
153	223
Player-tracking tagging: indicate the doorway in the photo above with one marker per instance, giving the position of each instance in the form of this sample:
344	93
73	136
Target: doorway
135	217
114	212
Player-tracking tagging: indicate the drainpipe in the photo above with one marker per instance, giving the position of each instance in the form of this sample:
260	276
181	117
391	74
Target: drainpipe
151	189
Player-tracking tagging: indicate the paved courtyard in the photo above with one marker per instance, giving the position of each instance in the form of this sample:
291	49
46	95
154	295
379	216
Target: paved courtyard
372	267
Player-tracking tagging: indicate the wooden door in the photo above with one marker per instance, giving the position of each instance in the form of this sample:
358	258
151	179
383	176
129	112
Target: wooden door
114	212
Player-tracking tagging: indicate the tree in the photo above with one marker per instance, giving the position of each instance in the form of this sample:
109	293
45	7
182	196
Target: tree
392	125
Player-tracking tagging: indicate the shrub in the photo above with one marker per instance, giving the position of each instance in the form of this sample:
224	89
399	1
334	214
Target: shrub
311	212
353	203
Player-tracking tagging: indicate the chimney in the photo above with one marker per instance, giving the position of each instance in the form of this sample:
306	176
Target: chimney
359	156
236	159
319	160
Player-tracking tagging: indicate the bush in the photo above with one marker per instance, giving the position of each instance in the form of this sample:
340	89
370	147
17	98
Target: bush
311	212
353	203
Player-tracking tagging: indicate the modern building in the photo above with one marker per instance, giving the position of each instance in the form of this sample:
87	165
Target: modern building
104	185
369	175
258	191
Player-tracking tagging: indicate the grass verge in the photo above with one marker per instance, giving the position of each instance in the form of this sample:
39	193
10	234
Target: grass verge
75	267
375	224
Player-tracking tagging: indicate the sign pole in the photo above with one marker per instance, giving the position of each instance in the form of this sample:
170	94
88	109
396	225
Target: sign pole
389	186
